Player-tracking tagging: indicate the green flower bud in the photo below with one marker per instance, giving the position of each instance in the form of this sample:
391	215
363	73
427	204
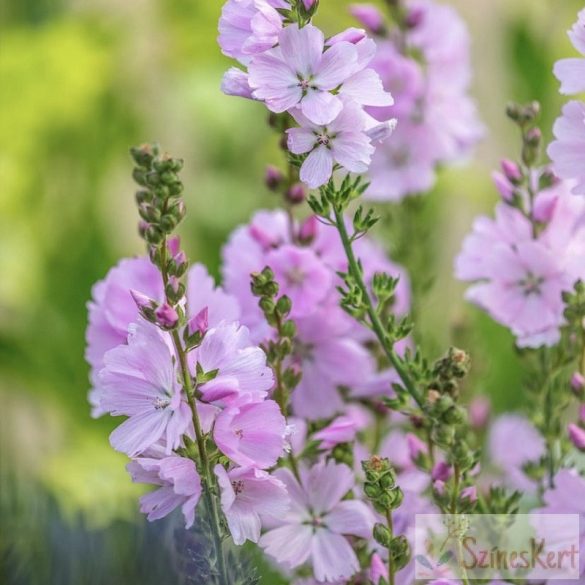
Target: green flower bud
382	535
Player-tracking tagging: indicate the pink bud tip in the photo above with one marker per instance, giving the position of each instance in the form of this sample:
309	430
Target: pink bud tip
577	383
174	245
511	170
308	4
378	569
369	16
439	486
174	282
297	193
180	258
441	471
577	436
142	301
469	493
416	447
273	177
479	412
414	17
504	186
308	230
166	316
200	322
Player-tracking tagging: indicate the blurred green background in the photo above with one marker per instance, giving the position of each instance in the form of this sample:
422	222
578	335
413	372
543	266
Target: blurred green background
81	81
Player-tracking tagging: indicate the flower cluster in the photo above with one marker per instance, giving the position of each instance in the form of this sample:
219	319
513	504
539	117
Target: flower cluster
423	59
519	272
290	406
568	150
324	84
329	347
174	359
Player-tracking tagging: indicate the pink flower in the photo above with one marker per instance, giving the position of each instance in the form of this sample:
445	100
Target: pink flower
313	530
180	485
242	374
571	72
437	120
524	292
513	441
302	276
247	27
251	434
577	436
343	140
299	73
248	494
235	82
328	358
568	497
378	569
342	430
112	307
139	381
369	16
568	150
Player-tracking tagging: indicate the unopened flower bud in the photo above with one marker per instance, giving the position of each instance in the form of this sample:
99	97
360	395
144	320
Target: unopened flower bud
479	412
414	17
309	4
369	16
511	171
273	178
153	234
441	471
142	227
577	436
439	487
167	316
577	383
469	493
534	137
416	447
296	193
433	396
378	569
174	246
200	322
504	186
142	301
382	535
547	179
308	229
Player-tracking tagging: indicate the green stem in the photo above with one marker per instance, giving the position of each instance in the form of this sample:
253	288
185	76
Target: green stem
205	467
390	559
375	322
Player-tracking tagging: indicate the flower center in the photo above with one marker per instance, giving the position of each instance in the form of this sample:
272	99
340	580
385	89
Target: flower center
295	276
160	403
323	139
531	284
303	351
239	433
238	486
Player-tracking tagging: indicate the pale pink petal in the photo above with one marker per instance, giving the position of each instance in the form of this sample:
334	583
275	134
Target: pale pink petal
332	556
317	168
320	107
289	544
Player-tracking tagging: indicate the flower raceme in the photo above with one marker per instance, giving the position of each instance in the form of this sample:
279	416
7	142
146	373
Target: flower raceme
324	84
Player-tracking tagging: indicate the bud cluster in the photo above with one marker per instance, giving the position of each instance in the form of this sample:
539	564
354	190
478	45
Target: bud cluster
380	485
161	210
381	489
276	312
159	202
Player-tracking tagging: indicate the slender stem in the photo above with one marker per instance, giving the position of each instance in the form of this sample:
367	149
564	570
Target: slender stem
205	462
390	559
376	324
208	478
